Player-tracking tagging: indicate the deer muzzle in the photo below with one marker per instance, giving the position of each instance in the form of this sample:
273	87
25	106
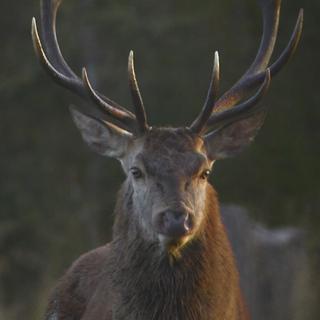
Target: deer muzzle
174	224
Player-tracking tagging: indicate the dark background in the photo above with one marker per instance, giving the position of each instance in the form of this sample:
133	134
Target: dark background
56	197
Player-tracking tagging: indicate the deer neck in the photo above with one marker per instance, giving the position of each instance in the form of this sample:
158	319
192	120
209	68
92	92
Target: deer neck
148	284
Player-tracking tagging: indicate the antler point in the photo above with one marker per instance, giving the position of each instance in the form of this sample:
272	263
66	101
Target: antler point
86	81
131	56
34	29
84	73
301	15
217	63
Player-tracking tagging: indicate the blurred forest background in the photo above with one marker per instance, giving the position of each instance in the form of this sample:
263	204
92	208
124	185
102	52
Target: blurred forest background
57	197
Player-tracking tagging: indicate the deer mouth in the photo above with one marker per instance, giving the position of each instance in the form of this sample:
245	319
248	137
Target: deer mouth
173	245
174	229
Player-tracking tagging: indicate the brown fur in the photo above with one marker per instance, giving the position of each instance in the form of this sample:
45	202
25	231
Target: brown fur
132	279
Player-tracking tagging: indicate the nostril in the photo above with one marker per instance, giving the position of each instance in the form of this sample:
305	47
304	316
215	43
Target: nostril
176	215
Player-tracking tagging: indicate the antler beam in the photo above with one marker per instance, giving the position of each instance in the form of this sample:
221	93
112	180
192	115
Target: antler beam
256	73
49	53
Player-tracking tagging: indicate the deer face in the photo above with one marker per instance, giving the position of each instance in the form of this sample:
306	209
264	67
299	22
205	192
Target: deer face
168	171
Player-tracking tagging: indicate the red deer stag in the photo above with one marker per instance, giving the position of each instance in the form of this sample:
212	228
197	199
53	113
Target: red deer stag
170	258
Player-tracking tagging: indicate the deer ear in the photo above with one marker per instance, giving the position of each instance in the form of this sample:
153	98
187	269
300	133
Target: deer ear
231	139
102	136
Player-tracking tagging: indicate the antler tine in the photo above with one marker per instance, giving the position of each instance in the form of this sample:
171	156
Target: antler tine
67	81
291	47
136	96
244	109
255	74
270	16
49	54
199	124
48	15
104	107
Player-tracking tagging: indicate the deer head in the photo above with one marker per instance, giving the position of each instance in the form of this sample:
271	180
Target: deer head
167	168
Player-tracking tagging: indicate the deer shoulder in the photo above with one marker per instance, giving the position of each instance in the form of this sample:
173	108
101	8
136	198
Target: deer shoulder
77	291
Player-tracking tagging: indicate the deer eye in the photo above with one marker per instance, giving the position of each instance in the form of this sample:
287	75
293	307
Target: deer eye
136	173
205	174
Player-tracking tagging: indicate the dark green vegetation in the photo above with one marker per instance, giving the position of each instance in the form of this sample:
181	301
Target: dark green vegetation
57	197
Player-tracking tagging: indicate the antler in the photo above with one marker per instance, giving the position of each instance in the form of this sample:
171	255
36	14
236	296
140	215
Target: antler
199	124
49	54
136	96
257	74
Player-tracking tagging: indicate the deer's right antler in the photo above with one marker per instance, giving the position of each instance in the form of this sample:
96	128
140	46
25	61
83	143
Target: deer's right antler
220	112
48	51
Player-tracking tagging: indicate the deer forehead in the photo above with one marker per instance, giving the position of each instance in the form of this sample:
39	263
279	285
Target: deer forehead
164	151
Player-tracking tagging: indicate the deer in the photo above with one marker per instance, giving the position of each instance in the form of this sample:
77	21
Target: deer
169	257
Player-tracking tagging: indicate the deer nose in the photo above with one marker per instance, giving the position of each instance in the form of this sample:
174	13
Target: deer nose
174	224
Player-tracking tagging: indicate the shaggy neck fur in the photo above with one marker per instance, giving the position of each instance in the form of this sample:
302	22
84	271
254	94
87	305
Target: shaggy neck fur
202	284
